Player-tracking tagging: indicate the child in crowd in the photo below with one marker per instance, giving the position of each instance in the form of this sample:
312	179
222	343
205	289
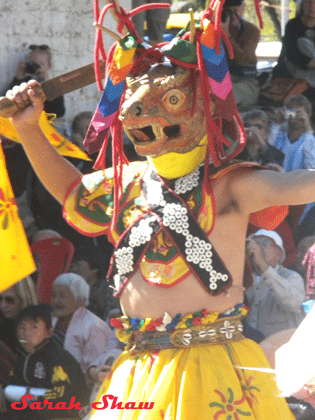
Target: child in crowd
48	371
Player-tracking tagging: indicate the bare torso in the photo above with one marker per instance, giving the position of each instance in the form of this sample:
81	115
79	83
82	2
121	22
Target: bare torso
140	299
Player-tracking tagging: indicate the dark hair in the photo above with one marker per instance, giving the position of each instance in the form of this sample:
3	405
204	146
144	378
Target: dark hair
96	258
43	48
257	114
76	120
300	100
232	3
36	312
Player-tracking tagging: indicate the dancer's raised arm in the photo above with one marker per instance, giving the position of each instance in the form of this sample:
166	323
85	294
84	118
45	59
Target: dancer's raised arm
55	172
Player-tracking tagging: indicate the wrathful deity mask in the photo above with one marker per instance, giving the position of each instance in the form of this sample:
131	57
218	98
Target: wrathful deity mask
158	113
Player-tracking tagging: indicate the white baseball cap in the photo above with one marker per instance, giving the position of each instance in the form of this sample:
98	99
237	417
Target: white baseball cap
272	235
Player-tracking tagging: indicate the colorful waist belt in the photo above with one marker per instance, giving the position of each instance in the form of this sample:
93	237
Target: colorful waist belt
219	332
197	329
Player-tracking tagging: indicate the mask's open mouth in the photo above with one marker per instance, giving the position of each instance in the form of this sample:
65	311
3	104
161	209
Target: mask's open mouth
151	133
143	135
172	131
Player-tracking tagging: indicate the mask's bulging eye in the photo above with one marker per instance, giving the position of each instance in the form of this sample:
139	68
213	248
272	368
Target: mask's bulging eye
174	99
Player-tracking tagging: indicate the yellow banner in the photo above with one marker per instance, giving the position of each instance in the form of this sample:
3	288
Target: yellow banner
16	261
63	145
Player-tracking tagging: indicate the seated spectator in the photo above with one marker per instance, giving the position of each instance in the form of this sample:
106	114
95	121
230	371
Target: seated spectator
79	127
47	367
286	234
42	234
92	264
244	38
309	268
80	332
257	148
156	20
26	215
36	65
12	301
303	246
297	58
298	143
275	299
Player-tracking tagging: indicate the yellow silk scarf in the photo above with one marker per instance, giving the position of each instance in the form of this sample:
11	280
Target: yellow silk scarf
174	165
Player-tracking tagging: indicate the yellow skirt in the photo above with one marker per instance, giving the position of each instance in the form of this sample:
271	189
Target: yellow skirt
197	383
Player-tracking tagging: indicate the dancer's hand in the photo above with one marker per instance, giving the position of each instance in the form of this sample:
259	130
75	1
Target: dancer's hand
103	373
29	97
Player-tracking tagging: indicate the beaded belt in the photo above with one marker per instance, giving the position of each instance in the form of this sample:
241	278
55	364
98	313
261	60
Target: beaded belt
219	332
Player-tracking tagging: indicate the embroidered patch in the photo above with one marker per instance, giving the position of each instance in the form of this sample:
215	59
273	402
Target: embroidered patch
40	371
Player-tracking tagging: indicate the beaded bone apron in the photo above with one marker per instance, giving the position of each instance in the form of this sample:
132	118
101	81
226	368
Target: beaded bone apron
168	211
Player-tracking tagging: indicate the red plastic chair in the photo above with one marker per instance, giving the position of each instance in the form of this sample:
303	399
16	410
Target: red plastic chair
54	256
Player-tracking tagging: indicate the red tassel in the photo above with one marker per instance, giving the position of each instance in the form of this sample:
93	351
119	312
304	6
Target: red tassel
100	162
228	44
257	7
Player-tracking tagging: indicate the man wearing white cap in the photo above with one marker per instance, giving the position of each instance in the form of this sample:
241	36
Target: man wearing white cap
276	297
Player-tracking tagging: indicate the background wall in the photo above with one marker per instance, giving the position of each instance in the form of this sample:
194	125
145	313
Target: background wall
67	27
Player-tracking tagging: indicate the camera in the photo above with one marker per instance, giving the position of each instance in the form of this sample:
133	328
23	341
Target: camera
225	14
290	113
31	68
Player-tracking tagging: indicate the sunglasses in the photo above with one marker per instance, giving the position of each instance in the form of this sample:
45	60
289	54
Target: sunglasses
259	126
42	47
8	299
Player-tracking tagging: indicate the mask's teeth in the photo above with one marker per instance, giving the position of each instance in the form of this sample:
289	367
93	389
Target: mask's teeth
157	130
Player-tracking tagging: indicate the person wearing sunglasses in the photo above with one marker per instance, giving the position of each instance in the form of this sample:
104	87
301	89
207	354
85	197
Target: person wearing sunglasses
244	38
12	301
37	65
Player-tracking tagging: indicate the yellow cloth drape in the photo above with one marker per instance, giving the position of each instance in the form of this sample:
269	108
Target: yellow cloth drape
63	145
199	383
16	261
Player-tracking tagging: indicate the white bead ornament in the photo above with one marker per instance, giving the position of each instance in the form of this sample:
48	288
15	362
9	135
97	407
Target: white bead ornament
124	260
187	182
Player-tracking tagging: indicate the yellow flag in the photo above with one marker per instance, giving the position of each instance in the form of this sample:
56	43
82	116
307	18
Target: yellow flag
63	145
16	261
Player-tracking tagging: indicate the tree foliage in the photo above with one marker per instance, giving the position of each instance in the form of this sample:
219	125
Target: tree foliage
271	13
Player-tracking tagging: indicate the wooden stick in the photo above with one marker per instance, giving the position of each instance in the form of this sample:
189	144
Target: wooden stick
215	10
192	26
108	31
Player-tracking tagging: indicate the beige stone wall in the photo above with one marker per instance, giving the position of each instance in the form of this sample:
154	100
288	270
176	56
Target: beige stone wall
67	27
